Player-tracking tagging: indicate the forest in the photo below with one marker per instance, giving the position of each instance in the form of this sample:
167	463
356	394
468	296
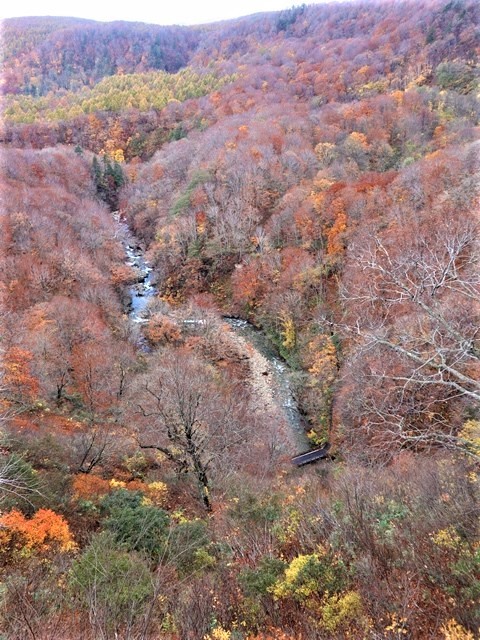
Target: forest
221	246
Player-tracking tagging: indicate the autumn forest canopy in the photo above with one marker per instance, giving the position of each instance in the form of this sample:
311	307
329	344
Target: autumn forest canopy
221	246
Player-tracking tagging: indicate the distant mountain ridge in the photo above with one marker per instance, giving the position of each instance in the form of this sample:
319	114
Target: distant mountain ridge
42	54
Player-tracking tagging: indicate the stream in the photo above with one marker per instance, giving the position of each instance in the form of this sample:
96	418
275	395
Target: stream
144	289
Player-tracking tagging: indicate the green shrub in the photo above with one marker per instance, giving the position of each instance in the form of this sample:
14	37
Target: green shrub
113	584
259	581
188	547
135	525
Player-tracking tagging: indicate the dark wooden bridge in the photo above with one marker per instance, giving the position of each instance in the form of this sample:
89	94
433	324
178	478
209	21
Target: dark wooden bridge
311	456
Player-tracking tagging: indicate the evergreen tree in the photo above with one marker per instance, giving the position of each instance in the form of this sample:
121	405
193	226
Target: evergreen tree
108	178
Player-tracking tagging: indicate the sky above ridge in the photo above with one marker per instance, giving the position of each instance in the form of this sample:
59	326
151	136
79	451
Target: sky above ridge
163	12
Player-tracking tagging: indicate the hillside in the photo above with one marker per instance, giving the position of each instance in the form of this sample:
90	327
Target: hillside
44	54
313	174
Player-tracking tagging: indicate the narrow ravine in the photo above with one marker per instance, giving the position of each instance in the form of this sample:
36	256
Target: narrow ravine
269	375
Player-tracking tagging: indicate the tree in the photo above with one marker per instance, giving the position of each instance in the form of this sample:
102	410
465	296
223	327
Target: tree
108	178
20	387
417	331
189	417
18	482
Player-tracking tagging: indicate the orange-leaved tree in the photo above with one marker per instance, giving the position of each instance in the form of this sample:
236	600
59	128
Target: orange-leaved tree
45	531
